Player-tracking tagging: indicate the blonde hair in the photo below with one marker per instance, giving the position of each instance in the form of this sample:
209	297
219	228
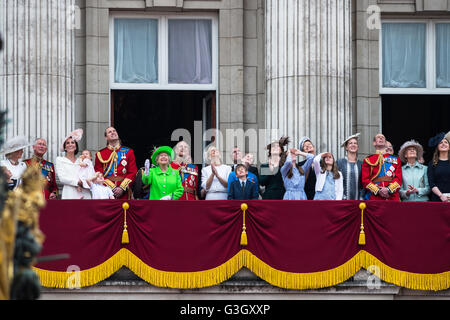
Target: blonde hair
208	155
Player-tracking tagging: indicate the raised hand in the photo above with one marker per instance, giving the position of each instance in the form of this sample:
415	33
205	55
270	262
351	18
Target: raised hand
147	167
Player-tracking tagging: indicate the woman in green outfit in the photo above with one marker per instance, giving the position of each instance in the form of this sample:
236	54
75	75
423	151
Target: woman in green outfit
164	181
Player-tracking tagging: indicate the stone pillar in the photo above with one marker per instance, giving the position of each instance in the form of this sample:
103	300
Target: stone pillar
308	71
37	70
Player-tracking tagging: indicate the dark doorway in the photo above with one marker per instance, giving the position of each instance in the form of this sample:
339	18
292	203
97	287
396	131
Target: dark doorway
418	117
147	119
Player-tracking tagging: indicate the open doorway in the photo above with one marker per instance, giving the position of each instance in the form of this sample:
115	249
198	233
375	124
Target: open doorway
418	117
146	119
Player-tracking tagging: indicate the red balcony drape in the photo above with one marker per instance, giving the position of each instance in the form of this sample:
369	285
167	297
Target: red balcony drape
290	244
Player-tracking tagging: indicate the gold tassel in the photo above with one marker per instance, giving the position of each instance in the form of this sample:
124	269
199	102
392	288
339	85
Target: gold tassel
244	242
362	235
125	238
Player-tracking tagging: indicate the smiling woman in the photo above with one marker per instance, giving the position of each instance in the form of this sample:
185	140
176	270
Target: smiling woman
67	168
164	181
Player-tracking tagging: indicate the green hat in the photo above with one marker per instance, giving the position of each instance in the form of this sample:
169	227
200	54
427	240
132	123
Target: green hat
164	149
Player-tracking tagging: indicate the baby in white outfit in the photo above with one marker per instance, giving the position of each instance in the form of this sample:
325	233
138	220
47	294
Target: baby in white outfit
86	168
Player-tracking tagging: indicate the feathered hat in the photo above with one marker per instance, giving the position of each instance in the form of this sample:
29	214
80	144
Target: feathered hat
76	135
433	142
406	145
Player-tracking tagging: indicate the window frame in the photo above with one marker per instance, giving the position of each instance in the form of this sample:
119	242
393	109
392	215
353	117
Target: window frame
430	63
163	51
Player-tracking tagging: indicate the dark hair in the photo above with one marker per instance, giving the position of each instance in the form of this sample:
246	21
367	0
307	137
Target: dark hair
239	166
334	169
76	144
436	154
299	168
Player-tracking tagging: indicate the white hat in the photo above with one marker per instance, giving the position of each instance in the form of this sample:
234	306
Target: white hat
355	136
406	145
76	135
14	144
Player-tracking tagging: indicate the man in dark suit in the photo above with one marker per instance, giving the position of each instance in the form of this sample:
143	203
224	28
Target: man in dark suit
243	188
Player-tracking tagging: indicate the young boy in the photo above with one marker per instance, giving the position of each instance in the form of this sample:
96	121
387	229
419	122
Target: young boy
98	189
243	188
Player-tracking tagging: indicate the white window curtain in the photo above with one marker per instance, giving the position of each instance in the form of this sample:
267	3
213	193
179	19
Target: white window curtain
136	50
190	51
443	55
404	55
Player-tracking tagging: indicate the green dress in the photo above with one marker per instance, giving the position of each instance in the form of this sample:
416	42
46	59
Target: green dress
163	183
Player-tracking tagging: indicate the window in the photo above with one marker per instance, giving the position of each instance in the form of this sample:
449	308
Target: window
136	51
443	55
415	57
163	52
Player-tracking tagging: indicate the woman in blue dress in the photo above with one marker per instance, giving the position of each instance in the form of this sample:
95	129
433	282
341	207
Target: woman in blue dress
294	175
329	184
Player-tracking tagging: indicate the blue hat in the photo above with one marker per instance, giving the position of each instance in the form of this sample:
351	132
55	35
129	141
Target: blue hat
302	142
433	142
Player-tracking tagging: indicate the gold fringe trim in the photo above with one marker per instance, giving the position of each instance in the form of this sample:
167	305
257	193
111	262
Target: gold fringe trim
244	258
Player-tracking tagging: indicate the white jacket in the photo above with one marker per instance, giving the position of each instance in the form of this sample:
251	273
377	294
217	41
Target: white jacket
321	177
68	176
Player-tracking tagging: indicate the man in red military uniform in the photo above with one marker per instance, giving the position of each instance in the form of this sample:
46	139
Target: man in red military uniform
382	173
117	164
188	171
47	168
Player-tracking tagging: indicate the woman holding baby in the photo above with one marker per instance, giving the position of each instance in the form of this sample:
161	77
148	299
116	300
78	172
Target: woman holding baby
72	171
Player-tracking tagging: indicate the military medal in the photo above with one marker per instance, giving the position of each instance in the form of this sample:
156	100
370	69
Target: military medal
123	162
389	173
124	170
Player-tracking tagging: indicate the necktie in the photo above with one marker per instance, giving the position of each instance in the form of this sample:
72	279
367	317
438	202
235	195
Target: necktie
243	186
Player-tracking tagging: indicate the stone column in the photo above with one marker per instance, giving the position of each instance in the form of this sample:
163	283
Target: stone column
37	70
308	71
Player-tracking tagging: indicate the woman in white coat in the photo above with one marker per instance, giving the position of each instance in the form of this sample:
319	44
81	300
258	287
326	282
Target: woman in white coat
67	169
13	151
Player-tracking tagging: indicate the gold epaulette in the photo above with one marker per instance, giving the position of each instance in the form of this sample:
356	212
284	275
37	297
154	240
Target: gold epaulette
99	157
379	160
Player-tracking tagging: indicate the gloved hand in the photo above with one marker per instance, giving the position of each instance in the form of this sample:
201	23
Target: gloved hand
147	167
169	197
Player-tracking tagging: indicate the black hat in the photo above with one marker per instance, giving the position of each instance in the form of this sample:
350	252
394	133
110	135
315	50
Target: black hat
433	142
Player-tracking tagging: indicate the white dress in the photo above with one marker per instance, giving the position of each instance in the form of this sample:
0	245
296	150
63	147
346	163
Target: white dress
86	172
217	191
68	176
16	170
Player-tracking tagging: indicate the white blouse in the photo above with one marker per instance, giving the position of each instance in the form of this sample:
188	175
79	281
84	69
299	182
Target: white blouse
217	191
16	170
68	175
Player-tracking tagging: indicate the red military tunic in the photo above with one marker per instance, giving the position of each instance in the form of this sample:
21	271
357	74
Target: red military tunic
48	171
118	166
382	170
189	180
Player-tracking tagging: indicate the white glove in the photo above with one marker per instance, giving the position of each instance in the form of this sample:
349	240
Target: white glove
147	167
169	197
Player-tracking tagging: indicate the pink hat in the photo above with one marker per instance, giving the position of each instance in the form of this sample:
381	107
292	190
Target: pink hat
76	135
